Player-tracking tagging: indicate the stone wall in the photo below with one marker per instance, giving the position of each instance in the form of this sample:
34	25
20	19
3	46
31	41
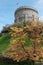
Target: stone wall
26	14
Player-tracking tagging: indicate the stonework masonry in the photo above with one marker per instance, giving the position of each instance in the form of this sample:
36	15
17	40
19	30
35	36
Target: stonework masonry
26	14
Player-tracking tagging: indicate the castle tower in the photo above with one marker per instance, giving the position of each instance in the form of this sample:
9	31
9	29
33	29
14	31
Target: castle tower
26	14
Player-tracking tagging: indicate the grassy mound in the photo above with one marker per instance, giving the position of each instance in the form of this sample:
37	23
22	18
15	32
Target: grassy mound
4	42
22	42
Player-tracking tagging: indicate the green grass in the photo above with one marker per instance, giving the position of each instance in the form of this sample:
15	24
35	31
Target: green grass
28	43
4	42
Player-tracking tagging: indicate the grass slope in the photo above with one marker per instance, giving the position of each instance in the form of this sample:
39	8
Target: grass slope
4	42
28	43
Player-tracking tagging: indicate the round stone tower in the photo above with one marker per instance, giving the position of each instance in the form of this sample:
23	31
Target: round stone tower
26	14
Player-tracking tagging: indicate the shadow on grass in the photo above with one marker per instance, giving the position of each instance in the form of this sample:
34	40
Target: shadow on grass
6	61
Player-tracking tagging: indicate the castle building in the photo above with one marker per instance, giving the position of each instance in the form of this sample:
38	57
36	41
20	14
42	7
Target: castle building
26	13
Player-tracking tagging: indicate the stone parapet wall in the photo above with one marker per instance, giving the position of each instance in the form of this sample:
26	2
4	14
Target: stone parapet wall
26	14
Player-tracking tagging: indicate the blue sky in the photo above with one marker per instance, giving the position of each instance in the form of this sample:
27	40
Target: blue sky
8	7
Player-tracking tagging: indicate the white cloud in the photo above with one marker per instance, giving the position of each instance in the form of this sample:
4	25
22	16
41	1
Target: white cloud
2	23
39	6
41	18
40	1
1	26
